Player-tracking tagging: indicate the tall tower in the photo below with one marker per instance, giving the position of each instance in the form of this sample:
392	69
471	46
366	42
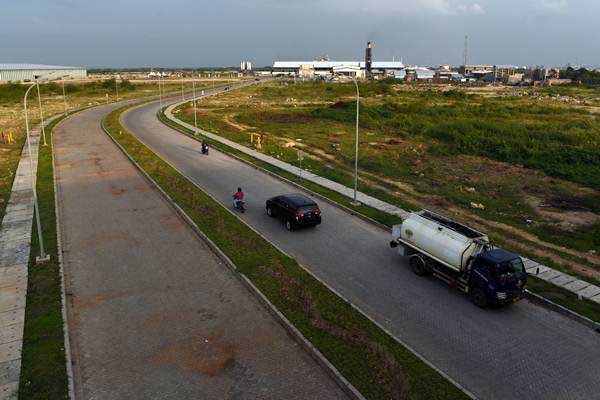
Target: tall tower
466	51
369	59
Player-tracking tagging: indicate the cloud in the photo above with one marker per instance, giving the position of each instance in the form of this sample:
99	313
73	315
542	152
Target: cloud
406	7
472	9
552	6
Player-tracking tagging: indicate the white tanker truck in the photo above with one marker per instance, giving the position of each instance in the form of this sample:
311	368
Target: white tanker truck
460	256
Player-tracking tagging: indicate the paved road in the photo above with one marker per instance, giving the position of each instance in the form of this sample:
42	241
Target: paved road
523	351
153	312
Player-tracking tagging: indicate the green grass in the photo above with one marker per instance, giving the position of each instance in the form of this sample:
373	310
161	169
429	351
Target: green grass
558	295
377	365
564	298
43	369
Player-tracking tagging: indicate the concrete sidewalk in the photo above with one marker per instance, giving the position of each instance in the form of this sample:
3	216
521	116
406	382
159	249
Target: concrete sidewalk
579	287
15	248
153	312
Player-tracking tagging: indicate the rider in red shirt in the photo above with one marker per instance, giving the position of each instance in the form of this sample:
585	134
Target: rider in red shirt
238	196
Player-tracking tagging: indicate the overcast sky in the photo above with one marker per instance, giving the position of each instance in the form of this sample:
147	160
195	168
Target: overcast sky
123	33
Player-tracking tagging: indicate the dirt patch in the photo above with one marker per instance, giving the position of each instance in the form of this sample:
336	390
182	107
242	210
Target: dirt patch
96	300
568	212
170	222
189	111
117	191
240	127
209	356
283	118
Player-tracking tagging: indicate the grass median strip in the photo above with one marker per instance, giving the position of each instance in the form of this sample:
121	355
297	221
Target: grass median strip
375	363
43	368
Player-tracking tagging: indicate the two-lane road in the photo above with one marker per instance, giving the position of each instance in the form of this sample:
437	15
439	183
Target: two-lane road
519	352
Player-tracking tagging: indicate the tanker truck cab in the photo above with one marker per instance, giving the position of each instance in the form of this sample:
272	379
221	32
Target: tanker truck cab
460	256
496	277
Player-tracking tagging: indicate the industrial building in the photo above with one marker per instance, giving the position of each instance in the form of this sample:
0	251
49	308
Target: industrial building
331	68
29	72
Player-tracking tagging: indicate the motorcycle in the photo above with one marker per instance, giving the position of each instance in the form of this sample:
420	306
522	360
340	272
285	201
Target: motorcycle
240	205
204	148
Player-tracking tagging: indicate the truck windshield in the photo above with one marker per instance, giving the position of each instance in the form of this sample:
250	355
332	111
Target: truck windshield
511	267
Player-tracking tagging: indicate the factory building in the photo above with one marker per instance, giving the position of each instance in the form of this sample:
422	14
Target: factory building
29	72
331	68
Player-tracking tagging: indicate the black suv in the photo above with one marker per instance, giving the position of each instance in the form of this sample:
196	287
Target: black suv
295	210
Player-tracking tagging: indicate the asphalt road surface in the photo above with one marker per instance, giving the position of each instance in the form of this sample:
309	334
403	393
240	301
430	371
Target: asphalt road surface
153	313
518	352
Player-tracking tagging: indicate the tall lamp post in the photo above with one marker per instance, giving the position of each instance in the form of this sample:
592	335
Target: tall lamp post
64	96
182	94
43	256
160	89
117	87
195	118
37	84
354	201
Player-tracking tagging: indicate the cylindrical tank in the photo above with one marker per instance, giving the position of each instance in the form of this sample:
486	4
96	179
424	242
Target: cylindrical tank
439	241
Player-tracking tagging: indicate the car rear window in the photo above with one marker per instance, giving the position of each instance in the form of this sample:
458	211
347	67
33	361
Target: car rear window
309	208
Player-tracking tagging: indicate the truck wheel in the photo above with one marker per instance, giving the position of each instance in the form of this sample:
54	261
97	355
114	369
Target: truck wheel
418	265
478	297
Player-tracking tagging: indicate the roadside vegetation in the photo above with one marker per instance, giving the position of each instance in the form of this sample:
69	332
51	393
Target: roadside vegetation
43	367
377	365
516	163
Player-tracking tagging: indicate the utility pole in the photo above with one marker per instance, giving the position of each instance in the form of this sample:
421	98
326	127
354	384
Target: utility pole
43	256
466	51
355	201
41	112
182	94
160	90
64	96
195	118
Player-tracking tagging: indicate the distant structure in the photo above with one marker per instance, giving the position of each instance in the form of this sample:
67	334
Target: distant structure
466	51
369	60
30	72
245	66
329	69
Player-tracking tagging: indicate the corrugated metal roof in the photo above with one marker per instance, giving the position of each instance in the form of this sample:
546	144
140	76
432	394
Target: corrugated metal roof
331	64
33	66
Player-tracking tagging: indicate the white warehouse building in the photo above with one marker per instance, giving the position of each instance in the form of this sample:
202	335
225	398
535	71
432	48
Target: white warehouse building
29	72
324	68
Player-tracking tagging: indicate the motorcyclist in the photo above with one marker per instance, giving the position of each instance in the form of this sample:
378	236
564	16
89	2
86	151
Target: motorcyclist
237	197
204	147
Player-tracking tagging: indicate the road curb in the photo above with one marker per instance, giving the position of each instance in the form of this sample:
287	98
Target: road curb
342	382
536	298
67	339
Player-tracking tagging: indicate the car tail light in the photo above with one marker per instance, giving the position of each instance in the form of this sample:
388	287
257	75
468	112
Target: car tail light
318	212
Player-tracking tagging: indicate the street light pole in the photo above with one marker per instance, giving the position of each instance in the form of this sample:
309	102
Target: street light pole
160	90
354	201
195	118
117	88
43	256
182	94
64	96
41	112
